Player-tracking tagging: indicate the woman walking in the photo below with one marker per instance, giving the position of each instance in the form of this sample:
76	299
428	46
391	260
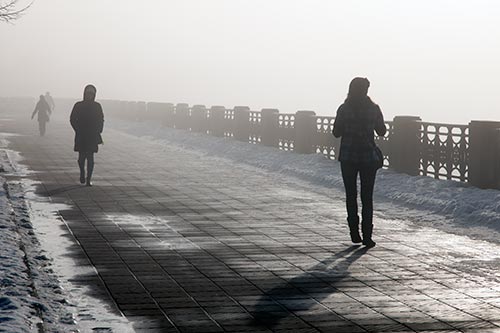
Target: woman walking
357	119
43	110
87	119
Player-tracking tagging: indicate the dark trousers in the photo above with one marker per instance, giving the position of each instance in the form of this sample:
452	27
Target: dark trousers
89	157
41	127
367	175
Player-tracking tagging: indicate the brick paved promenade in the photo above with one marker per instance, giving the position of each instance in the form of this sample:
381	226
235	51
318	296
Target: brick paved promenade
184	243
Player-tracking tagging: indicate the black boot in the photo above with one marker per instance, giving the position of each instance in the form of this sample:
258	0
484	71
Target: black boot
369	243
355	237
367	228
81	165
90	170
353	223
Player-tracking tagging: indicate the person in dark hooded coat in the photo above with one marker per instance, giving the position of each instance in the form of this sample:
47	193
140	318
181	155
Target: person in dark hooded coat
87	119
43	110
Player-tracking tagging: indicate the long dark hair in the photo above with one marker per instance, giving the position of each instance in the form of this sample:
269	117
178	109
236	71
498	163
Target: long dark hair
357	96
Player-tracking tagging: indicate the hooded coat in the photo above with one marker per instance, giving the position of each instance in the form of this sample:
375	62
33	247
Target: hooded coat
87	119
43	110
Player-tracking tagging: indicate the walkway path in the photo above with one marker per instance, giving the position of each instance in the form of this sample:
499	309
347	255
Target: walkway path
184	243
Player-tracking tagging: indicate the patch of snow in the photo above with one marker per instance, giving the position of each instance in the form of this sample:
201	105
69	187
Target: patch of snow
18	303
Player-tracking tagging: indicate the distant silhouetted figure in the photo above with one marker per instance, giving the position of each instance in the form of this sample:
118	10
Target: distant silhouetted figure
43	110
87	119
50	101
357	119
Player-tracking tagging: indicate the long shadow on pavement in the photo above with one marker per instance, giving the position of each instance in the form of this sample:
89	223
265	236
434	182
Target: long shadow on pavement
283	300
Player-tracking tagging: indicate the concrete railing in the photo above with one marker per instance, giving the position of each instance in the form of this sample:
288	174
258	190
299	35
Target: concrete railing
467	153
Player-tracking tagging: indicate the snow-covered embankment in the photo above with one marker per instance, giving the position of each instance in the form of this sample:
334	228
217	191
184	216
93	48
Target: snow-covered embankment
31	299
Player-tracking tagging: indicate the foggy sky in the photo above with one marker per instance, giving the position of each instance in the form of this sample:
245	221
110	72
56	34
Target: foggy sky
433	58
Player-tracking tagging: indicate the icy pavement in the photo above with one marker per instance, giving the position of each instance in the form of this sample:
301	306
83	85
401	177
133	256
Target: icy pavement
199	234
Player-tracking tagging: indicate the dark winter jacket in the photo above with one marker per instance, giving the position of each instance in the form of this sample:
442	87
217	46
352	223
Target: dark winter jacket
43	110
87	119
356	124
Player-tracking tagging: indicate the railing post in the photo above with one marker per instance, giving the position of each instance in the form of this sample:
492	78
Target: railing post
217	120
182	116
484	154
198	118
241	128
305	132
152	111
269	136
405	145
168	118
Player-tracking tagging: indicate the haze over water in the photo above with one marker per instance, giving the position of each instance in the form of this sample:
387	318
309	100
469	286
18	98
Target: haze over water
433	58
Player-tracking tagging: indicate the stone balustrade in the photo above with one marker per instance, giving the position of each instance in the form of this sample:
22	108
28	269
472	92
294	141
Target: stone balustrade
466	153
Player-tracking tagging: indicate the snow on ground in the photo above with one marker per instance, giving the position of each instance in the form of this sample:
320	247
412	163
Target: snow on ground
31	299
15	291
448	205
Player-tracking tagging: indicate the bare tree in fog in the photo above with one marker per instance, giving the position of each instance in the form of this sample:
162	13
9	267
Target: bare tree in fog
10	11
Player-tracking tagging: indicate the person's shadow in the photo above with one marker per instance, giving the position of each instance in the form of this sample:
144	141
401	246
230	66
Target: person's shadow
279	302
